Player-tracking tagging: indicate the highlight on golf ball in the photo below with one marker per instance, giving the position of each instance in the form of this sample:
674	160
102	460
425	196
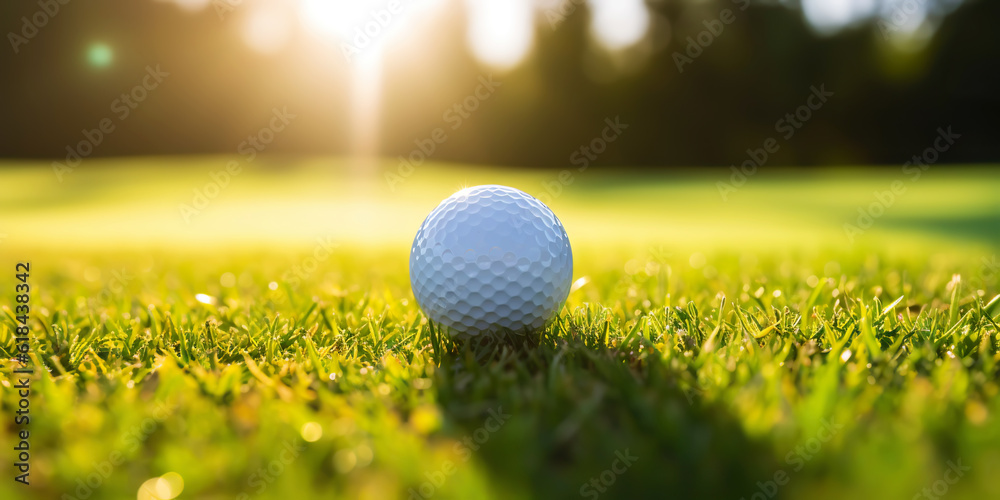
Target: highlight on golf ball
491	260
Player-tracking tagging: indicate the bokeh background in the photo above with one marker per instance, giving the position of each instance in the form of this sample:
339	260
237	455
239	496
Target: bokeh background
898	68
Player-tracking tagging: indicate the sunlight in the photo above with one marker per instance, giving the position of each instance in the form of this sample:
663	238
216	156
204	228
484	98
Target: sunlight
358	26
827	16
362	32
358	29
366	90
617	24
334	18
268	27
906	25
500	32
192	5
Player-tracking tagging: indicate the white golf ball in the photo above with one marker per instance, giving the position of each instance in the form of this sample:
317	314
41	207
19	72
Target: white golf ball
491	260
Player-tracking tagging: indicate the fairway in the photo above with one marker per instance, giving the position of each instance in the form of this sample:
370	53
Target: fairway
267	344
195	202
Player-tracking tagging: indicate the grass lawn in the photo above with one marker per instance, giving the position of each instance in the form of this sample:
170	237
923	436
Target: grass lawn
746	348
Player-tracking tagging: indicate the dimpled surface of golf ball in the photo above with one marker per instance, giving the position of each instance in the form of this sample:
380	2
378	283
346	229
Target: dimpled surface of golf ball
491	260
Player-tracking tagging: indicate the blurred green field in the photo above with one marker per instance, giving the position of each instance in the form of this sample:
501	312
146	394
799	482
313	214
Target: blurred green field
723	344
136	202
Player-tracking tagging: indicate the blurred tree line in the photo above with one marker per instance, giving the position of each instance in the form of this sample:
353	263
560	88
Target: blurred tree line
701	89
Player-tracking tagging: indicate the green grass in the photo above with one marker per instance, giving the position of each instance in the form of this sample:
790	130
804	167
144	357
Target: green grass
716	365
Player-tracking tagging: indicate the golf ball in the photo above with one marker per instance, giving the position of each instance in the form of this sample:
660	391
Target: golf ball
491	260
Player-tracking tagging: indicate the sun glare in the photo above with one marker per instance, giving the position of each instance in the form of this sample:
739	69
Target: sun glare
357	26
617	24
100	55
500	32
828	16
360	33
192	5
268	27
332	18
366	94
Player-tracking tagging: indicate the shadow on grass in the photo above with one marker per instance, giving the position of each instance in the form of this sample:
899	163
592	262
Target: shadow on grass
585	421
